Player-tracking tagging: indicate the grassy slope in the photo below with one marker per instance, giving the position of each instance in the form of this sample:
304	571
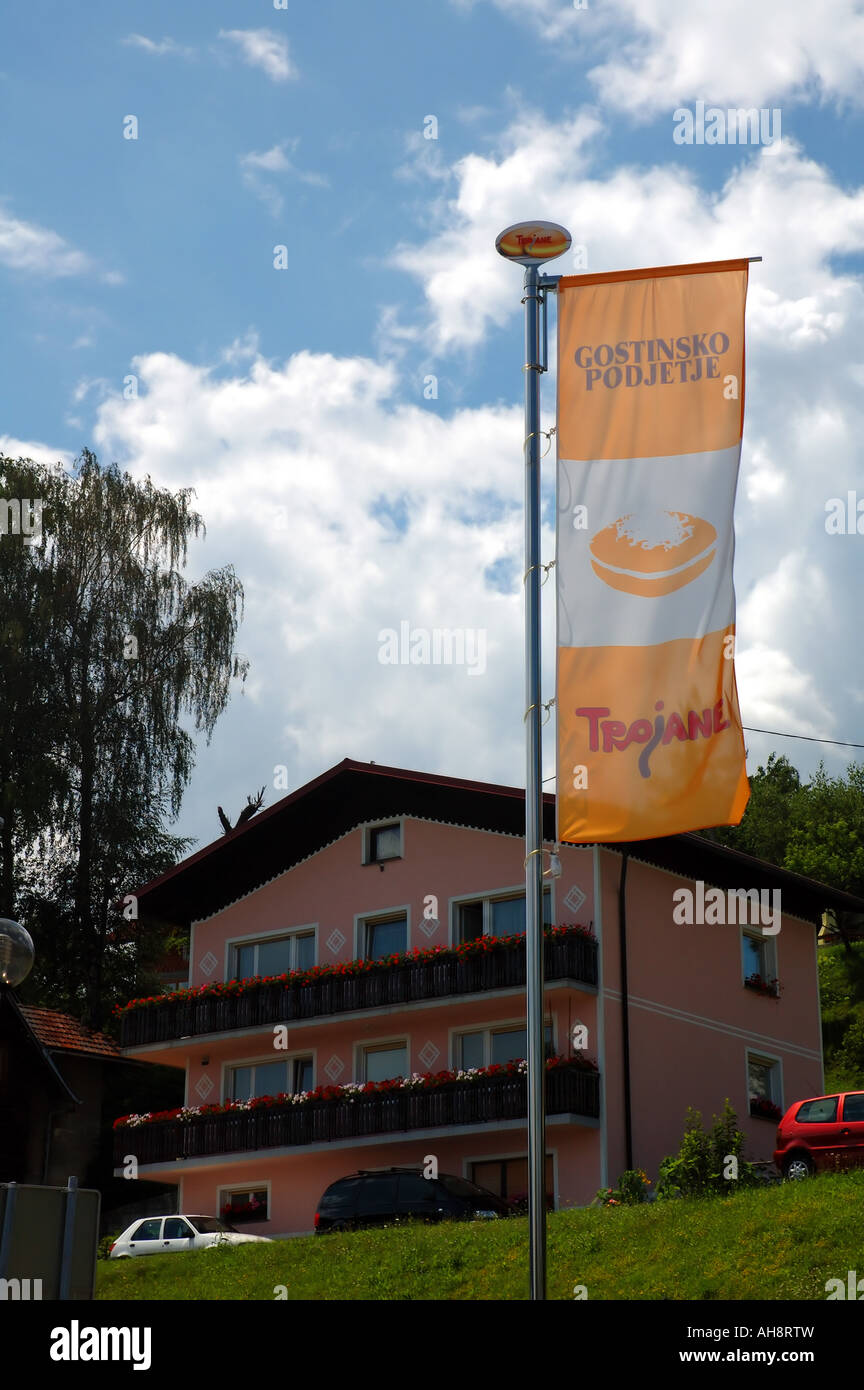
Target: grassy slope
771	1243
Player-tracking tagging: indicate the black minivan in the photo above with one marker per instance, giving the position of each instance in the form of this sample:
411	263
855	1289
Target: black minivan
380	1196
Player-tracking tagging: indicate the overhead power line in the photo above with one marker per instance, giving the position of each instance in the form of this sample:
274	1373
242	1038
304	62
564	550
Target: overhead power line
838	742
775	733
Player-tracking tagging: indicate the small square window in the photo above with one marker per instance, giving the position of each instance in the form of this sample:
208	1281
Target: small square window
385	842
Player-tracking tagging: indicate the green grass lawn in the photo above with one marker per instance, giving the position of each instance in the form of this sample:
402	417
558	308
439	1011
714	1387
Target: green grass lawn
779	1242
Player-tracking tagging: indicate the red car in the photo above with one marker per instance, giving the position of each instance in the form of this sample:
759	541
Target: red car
823	1132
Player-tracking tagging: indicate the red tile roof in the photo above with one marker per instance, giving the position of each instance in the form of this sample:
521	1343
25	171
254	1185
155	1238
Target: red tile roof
60	1032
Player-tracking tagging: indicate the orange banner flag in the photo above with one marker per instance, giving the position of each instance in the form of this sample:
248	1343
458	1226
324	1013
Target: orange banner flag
650	412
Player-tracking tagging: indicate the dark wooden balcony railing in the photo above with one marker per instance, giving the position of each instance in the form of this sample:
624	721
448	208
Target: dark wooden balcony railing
567	957
569	1090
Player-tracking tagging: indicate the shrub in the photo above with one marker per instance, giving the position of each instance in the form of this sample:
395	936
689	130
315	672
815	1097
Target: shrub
104	1247
702	1164
631	1191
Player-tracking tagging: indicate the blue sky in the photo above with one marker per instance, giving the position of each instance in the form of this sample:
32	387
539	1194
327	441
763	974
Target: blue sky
293	400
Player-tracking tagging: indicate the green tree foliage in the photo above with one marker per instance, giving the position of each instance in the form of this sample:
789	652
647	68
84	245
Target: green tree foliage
764	830
106	648
841	987
817	829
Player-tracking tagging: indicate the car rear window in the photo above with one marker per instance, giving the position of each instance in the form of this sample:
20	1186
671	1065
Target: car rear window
818	1112
853	1106
340	1197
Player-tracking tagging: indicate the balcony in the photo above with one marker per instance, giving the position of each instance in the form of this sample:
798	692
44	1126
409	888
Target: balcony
571	1088
572	956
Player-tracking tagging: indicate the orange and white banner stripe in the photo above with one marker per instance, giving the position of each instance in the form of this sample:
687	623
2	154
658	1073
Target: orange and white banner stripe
650	411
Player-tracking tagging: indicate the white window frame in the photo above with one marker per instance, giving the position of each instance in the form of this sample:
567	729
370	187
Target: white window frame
487	899
378	1045
768	1059
487	1029
366	839
253	939
362	920
768	945
273	1056
254	1185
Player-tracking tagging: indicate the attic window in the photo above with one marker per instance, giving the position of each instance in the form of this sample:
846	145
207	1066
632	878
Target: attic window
384	842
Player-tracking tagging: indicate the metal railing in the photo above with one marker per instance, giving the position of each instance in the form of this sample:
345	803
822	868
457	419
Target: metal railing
570	1089
567	957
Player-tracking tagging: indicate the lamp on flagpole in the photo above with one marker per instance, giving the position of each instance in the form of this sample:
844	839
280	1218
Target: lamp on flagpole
530	244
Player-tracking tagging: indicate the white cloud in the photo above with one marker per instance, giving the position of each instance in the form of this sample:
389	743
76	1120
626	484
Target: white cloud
159	47
660	53
303	473
262	48
27	246
276	161
632	216
554	19
738	53
32	449
539	167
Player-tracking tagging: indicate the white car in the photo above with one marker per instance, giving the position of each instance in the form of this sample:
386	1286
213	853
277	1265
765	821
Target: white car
158	1235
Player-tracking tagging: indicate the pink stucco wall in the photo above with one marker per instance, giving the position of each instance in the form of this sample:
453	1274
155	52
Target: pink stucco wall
692	1022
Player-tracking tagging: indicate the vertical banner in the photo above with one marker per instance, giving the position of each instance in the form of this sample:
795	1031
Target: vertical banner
650	412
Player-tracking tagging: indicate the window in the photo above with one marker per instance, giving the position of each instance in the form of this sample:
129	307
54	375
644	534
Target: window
504	916
416	1191
244	1204
207	1225
385	937
383	842
494	1045
376	1195
508	1177
275	955
818	1112
758	957
149	1230
385	1062
287	1076
177	1229
763	1079
341	1197
853	1108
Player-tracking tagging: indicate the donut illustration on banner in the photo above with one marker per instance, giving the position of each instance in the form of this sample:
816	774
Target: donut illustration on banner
653	553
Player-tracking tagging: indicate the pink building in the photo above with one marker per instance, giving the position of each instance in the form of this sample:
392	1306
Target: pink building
646	1011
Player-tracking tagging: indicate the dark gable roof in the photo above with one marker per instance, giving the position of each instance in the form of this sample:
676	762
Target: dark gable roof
13	1016
300	824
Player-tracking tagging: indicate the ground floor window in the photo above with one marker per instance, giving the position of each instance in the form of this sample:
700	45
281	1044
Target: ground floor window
763	1086
508	1178
244	1204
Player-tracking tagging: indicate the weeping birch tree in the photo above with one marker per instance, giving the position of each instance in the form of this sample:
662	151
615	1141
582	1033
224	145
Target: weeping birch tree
123	653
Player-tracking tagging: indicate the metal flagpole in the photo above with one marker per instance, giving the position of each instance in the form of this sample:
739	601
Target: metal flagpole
529	244
534	798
